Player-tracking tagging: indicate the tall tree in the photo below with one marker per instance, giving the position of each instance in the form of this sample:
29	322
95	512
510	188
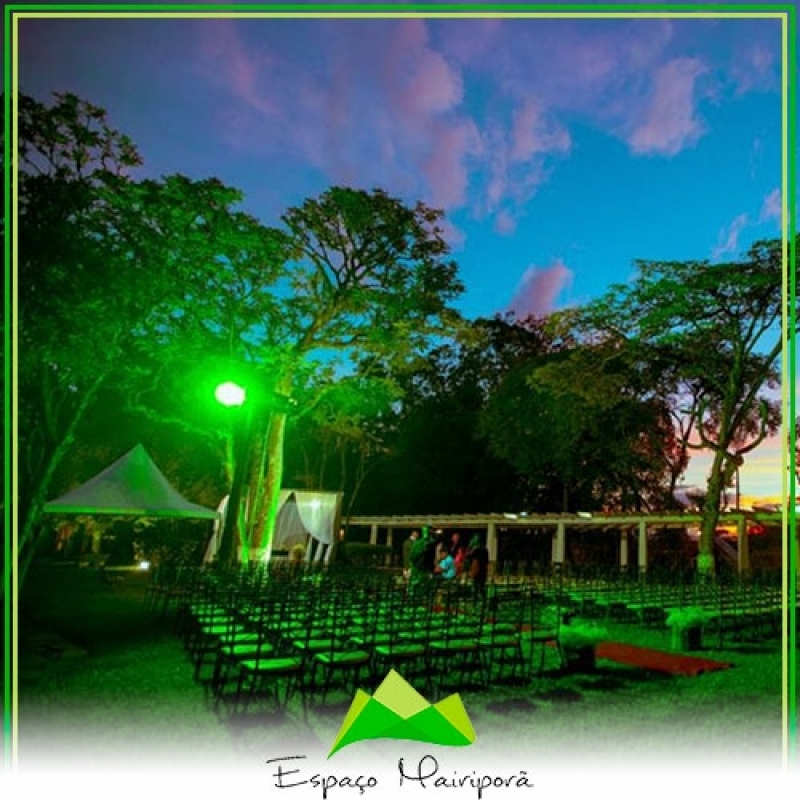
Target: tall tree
370	282
441	459
225	267
137	285
577	424
715	330
75	310
260	306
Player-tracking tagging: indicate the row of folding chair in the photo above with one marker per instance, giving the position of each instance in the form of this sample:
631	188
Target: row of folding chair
735	609
234	638
169	586
250	639
313	639
742	612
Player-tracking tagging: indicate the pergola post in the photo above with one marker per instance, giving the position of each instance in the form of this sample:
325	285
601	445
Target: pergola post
642	546
559	543
389	540
742	546
373	534
491	541
623	549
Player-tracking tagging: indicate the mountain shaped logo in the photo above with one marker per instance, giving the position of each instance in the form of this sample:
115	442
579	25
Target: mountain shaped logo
398	711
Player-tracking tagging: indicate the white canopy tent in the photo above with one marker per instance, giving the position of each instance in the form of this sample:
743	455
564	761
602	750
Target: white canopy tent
133	486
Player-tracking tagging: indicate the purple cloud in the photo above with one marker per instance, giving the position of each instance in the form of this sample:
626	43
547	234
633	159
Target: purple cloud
376	104
452	143
539	289
532	134
771	207
755	68
245	73
420	80
671	122
728	242
505	223
464	114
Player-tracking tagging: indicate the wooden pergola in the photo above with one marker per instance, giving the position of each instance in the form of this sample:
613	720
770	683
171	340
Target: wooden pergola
382	528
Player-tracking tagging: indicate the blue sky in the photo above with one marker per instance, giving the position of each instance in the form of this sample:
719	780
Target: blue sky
561	150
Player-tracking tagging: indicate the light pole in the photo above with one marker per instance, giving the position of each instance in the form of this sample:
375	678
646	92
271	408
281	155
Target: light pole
234	396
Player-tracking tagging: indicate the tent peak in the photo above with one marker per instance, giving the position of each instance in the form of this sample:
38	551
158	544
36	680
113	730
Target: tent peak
132	486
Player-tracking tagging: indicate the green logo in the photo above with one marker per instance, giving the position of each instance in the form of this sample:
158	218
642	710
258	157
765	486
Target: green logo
398	711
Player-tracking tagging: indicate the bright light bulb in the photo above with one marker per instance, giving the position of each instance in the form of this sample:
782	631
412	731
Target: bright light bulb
230	394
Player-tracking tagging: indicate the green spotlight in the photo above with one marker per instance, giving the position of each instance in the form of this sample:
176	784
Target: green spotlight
230	394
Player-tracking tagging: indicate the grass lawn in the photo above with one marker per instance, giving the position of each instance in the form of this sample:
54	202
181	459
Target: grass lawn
104	683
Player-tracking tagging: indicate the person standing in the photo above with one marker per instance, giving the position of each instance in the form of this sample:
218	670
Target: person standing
408	544
446	568
478	555
417	561
459	551
434	551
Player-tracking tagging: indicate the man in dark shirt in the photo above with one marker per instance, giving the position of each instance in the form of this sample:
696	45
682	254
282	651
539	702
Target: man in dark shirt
478	556
408	544
418	569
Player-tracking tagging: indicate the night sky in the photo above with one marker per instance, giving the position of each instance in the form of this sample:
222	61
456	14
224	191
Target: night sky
562	150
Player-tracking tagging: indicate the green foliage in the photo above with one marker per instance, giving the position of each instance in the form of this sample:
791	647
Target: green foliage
578	422
75	317
116	277
159	287
707	338
688	617
435	459
371	276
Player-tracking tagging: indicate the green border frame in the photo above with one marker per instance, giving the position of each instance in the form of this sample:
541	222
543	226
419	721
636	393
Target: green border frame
786	11
9	596
790	232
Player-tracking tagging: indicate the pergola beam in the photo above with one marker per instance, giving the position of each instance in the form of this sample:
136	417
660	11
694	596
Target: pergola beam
561	522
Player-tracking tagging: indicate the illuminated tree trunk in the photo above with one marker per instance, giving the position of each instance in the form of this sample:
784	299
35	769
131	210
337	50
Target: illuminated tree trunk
715	487
255	497
264	529
232	527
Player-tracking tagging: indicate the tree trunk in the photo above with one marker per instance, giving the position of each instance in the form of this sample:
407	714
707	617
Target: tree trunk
361	475
705	553
264	529
226	554
28	539
255	498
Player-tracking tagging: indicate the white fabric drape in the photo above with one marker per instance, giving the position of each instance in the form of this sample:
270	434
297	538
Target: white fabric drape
289	528
213	542
301	514
317	512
